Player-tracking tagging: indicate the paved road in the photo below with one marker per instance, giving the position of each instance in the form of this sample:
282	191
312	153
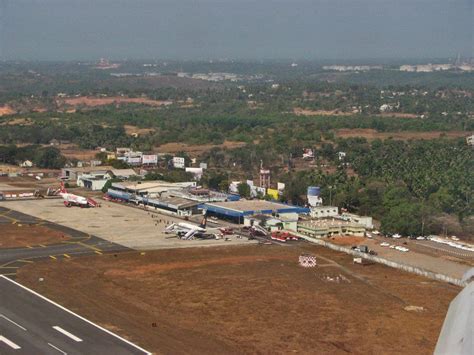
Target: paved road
79	244
32	324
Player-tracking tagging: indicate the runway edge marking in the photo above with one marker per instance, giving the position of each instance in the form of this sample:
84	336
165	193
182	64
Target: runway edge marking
77	315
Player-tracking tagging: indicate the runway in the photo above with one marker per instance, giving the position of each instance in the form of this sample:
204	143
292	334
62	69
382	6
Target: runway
32	324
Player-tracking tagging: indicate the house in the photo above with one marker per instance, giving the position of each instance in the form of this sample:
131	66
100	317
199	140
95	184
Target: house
470	140
178	162
26	164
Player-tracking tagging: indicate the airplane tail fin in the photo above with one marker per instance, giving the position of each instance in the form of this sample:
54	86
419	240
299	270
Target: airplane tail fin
63	189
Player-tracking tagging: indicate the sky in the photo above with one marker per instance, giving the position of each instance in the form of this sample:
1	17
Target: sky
235	29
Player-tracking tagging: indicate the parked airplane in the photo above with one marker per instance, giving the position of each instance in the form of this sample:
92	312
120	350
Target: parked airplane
75	200
190	231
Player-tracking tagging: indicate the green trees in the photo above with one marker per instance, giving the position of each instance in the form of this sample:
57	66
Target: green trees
108	184
244	189
49	158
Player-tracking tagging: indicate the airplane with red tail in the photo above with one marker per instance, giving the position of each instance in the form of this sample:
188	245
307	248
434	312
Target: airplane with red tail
75	200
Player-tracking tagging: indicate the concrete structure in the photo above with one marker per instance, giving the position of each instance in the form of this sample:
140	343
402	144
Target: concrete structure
322	228
172	205
287	221
178	162
324	211
366	221
266	221
92	182
149	159
237	210
147	188
74	173
313	195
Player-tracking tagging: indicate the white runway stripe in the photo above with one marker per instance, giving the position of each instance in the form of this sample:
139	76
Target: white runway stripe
56	348
8	319
65	332
9	343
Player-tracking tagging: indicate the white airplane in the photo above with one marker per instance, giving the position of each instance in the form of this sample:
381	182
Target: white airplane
75	200
190	231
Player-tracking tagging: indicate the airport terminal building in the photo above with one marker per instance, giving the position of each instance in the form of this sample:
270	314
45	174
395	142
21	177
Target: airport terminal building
237	210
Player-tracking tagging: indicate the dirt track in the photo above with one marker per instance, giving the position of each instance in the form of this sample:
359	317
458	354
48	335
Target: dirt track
22	235
253	299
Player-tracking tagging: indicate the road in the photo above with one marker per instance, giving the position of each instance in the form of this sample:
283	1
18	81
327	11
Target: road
79	244
32	324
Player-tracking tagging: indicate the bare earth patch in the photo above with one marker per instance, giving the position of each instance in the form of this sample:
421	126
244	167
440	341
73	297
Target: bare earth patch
130	130
347	241
101	101
371	134
22	235
81	154
253	299
6	110
197	149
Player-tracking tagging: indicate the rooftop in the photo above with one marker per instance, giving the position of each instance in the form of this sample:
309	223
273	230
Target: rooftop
254	206
149	185
328	223
104	168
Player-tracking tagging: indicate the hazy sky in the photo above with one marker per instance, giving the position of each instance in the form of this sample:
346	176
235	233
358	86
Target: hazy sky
248	29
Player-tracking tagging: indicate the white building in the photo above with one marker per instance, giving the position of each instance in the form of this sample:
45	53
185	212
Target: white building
26	164
178	162
197	172
324	211
92	181
149	159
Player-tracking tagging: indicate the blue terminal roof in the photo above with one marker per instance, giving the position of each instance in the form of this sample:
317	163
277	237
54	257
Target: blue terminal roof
247	208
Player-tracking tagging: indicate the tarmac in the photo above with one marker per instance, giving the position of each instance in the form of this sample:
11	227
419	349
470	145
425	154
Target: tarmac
33	324
116	223
79	244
